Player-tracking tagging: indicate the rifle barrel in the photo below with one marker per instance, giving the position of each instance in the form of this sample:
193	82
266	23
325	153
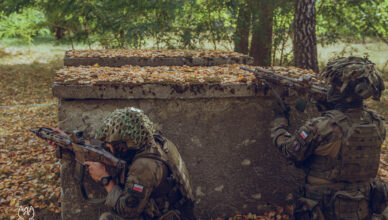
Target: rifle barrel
315	87
35	131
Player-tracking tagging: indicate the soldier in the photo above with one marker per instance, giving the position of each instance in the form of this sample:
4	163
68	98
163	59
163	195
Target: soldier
339	151
157	184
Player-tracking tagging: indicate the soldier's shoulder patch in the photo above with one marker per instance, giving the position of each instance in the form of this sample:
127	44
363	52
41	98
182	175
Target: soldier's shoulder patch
303	134
137	187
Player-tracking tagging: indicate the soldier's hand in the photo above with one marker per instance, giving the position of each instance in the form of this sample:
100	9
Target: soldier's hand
97	170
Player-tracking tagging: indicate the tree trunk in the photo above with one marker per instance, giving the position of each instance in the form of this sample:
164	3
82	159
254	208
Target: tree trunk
59	32
305	40
262	32
241	37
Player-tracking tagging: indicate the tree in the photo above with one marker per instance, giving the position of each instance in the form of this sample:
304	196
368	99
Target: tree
243	25
305	41
351	20
262	32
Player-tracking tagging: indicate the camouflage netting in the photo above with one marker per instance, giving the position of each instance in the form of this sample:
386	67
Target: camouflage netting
130	125
350	71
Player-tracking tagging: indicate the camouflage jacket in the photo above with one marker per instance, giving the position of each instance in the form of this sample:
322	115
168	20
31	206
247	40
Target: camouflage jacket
320	136
149	191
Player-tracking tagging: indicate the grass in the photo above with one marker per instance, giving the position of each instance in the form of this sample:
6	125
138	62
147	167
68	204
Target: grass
376	51
28	169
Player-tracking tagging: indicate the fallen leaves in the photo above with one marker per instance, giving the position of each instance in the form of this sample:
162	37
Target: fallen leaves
276	213
30	174
26	84
148	53
29	171
222	74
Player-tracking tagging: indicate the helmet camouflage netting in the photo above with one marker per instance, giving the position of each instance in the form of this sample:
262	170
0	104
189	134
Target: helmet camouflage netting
356	72
129	125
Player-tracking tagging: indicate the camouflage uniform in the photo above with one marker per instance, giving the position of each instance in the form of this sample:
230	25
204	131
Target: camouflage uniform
157	184
340	151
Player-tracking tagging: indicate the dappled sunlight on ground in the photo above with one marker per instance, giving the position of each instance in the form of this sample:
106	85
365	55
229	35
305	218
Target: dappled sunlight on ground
33	54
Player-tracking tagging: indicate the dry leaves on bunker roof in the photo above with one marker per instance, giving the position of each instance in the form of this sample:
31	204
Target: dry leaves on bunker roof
224	74
146	53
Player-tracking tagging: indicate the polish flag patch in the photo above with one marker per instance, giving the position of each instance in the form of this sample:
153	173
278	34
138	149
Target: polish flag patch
303	134
137	188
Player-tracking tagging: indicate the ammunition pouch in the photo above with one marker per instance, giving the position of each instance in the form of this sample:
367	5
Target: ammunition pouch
340	200
350	205
378	199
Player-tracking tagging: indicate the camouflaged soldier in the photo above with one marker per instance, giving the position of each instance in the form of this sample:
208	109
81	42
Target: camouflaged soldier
340	151
157	184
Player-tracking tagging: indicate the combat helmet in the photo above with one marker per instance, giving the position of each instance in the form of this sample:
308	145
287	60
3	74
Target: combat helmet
352	77
129	125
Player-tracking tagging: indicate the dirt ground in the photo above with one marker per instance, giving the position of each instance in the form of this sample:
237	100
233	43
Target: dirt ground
29	171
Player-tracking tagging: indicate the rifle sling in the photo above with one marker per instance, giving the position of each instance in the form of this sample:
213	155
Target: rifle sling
152	156
80	172
89	200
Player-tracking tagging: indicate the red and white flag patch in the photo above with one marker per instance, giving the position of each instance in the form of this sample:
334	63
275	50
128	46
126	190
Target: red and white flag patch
303	134
137	188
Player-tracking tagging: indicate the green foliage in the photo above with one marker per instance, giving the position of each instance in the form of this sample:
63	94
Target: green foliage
14	6
214	21
180	23
352	19
282	31
24	25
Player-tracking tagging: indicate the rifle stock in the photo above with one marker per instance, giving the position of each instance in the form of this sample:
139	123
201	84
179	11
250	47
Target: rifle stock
83	151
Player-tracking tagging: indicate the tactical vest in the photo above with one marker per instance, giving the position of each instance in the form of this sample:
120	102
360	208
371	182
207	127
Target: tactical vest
359	155
178	174
177	167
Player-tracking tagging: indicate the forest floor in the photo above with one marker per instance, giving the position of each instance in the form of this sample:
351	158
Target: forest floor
29	171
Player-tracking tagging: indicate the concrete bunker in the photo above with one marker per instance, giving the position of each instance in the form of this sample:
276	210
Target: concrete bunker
219	119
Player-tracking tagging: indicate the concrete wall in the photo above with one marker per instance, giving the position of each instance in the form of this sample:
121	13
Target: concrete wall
222	132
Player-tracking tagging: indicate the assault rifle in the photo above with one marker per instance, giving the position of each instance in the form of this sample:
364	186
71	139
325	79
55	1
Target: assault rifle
303	86
83	150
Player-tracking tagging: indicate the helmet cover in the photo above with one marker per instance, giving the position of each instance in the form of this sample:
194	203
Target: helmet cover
128	125
354	77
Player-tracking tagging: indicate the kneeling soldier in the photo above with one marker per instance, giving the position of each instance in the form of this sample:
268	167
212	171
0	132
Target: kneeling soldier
340	151
157	184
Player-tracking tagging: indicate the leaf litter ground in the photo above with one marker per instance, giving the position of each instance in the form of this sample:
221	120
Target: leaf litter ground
29	171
